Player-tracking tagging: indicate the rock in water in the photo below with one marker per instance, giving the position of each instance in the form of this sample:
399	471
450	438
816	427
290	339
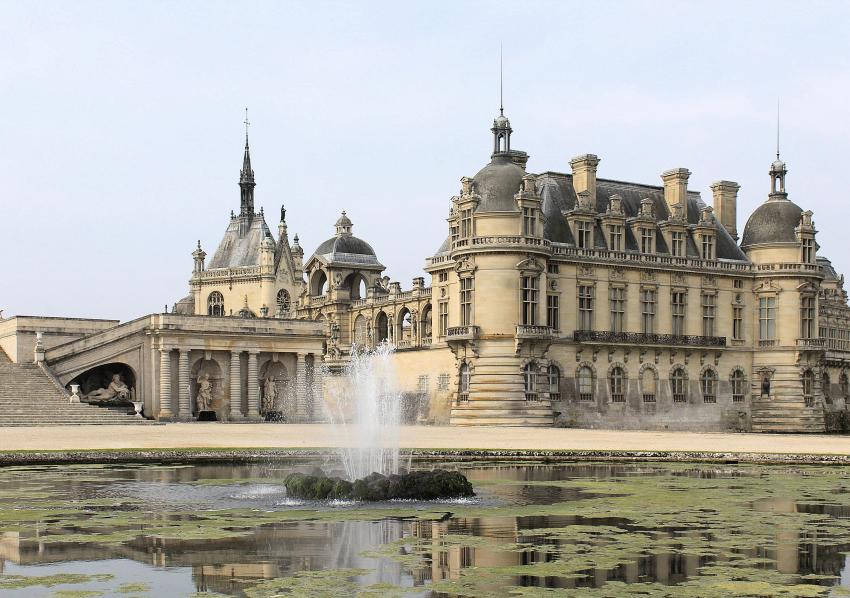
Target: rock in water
416	485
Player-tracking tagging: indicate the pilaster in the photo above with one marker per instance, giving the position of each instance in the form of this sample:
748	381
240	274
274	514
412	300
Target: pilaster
253	387
183	405
165	383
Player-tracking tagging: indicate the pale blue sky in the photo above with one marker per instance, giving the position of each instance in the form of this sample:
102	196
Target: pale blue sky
121	122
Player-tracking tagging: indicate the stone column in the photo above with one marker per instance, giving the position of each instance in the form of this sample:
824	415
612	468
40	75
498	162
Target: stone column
301	414
165	383
183	404
235	385
253	387
317	406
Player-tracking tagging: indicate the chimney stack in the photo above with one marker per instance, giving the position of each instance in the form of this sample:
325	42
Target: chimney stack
725	195
676	187
584	175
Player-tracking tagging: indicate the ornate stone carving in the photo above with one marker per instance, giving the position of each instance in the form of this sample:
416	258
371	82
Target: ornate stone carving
617	273
205	393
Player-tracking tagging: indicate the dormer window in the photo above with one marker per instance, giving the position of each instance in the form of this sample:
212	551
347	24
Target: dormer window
615	232
529	221
647	240
677	244
583	234
466	223
708	247
808	251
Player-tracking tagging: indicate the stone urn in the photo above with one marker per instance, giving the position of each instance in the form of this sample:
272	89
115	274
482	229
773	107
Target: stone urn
75	393
137	405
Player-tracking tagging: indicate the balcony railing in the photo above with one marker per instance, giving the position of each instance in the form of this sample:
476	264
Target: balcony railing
811	343
767	343
526	331
460	333
508	241
640	338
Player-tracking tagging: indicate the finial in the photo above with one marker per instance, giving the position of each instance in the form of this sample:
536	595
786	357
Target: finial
282	213
295	238
247	124
199	243
501	84
777	128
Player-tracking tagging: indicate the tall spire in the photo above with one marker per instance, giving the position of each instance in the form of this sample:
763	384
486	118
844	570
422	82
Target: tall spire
777	169
246	178
777	128
501	83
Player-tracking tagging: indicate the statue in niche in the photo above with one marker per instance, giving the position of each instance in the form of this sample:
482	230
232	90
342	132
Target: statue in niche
116	389
270	395
204	398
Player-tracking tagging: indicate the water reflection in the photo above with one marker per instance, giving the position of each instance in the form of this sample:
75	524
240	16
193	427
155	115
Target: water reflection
418	553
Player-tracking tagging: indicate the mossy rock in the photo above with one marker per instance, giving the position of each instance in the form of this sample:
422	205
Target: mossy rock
417	485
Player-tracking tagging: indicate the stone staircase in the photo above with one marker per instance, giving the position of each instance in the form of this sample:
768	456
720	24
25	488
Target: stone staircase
789	415
28	397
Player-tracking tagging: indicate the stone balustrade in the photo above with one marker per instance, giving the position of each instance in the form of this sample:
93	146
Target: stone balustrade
640	338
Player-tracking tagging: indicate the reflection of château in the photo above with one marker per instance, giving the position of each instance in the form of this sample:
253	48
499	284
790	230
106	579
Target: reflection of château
555	299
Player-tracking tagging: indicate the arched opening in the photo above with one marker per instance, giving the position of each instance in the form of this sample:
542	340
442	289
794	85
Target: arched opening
463	383
404	330
356	284
382	327
584	379
554	375
361	332
207	388
529	378
426	323
648	385
107	384
617	382
738	386
765	384
284	302
215	304
808	380
679	385
275	399
318	283
708	385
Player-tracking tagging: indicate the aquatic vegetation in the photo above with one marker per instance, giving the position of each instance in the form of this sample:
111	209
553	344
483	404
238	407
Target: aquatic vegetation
16	582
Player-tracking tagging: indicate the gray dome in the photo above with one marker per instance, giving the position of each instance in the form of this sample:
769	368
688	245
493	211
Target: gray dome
345	244
497	183
773	221
501	122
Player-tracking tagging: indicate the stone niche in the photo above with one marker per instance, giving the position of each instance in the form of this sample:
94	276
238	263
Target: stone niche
207	377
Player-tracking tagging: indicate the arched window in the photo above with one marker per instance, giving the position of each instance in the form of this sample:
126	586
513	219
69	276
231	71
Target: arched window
426	323
845	386
708	385
809	388
463	390
617	385
585	383
405	326
827	384
554	383
529	376
648	385
361	332
679	385
738	386
215	304
382	327
318	283
283	302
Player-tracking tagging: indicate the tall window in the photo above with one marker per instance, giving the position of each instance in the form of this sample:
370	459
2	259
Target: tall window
807	317
677	244
648	385
283	301
708	247
679	385
845	386
215	304
809	388
528	222
808	253
444	317
529	299
585	307
827	387
583	230
679	303
554	383
463	390
617	391
767	318
647	238
466	290
616	233
737	322
466	223
708	385
529	376
618	308
553	312
585	384
738	386
709	311
647	310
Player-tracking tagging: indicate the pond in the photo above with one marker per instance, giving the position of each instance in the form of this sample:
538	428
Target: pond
534	529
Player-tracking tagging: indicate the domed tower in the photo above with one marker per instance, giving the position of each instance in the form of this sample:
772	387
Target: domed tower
341	270
499	338
779	239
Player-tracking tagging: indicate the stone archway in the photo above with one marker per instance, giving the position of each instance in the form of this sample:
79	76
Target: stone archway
95	384
207	386
276	390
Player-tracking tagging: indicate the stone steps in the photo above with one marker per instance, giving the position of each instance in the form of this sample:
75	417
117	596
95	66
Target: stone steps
788	414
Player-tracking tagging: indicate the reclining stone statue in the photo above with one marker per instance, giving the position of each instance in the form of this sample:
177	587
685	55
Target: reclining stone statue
116	390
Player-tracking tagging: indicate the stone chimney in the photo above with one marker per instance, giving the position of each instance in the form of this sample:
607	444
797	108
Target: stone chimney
725	195
676	187
584	175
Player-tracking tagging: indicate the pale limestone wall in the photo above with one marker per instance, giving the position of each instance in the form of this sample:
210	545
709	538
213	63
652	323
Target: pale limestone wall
432	363
18	334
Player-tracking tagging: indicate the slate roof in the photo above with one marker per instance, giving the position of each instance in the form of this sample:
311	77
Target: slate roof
235	250
773	221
